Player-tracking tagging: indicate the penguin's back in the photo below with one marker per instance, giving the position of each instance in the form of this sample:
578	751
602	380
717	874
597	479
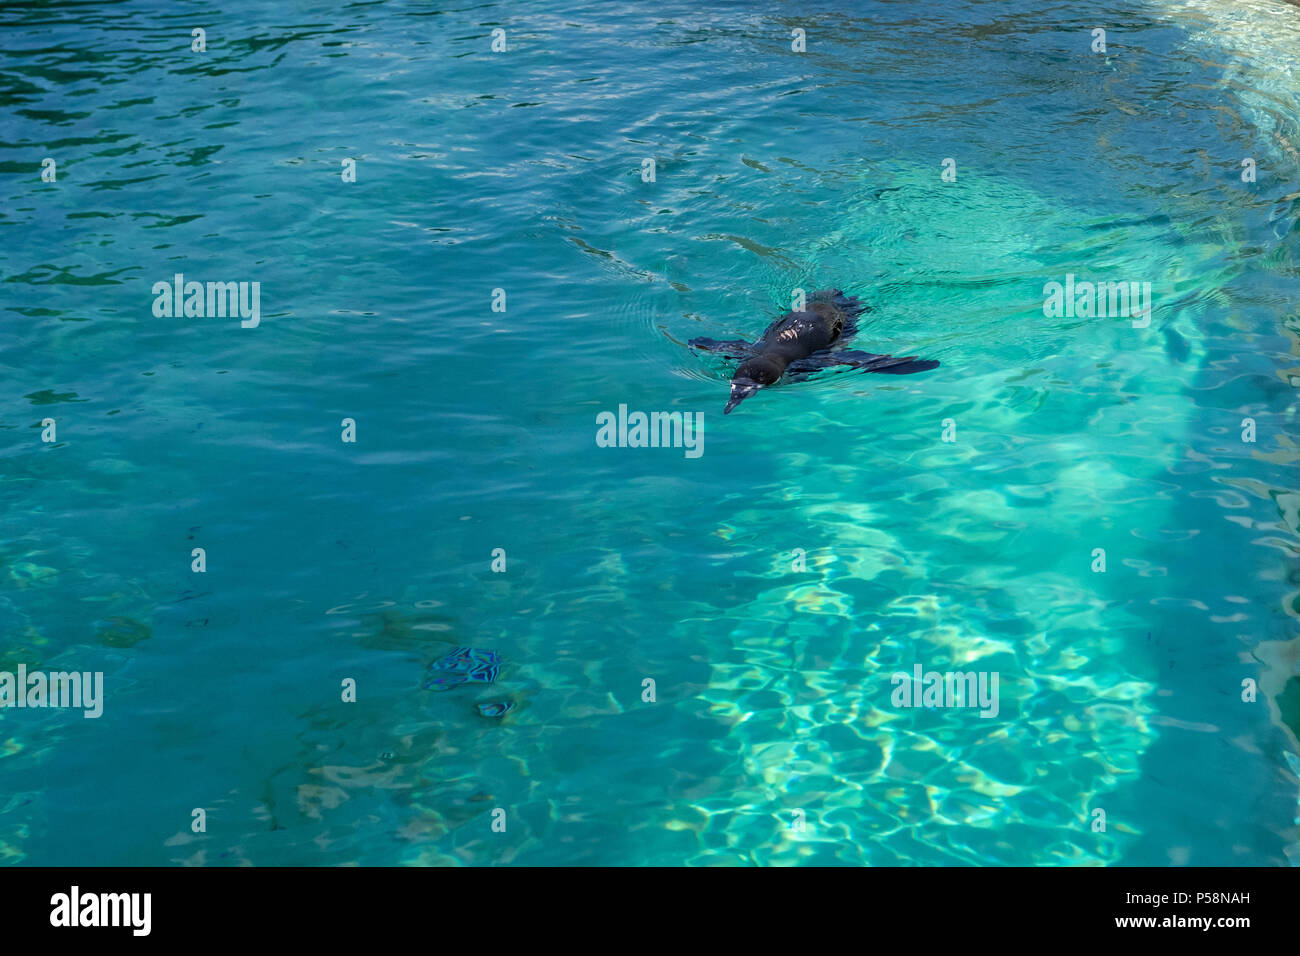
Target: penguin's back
816	327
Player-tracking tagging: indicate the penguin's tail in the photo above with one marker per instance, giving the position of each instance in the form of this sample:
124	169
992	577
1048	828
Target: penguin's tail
850	305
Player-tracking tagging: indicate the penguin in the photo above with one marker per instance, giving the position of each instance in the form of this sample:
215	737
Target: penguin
800	343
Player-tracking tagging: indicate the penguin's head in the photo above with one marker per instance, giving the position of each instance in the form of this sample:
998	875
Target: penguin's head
752	375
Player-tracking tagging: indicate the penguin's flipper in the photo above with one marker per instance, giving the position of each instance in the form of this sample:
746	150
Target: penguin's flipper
736	348
802	368
886	364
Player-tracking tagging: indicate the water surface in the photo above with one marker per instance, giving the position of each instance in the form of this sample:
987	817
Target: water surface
774	171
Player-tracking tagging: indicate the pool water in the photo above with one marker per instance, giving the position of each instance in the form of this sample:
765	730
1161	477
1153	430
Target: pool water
495	589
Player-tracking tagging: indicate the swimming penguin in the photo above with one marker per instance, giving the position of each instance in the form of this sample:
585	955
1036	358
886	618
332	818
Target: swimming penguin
800	343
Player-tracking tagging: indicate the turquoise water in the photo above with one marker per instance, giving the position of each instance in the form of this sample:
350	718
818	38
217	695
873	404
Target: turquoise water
475	430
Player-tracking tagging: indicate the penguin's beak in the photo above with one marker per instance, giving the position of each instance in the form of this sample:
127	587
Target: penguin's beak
741	389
